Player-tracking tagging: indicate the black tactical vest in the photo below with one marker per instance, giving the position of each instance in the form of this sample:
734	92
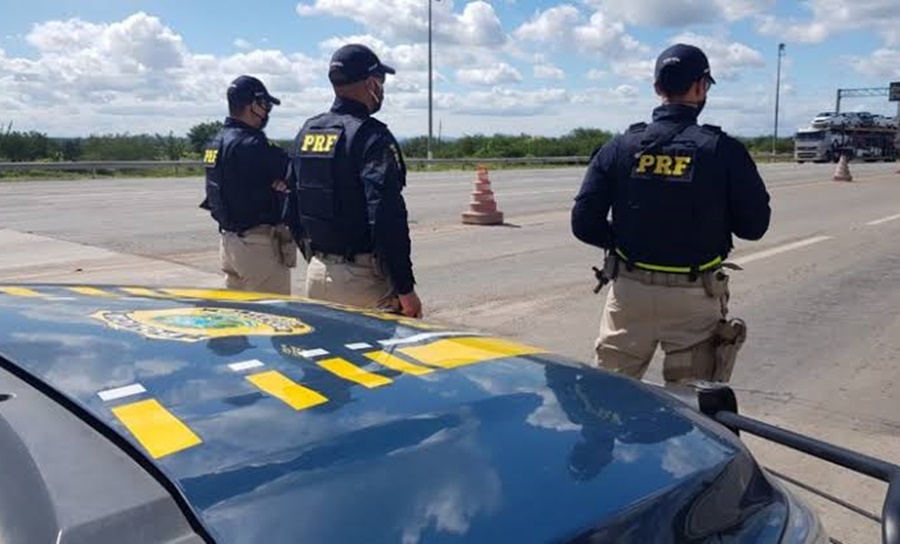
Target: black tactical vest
213	157
237	198
332	200
670	209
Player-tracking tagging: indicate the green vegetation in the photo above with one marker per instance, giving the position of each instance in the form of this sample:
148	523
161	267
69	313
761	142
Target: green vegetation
37	147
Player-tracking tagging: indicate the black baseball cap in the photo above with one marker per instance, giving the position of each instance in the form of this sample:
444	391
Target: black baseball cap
247	89
681	65
355	62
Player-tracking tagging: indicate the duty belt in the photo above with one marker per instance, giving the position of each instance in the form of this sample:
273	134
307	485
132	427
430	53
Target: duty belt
653	277
358	258
668	269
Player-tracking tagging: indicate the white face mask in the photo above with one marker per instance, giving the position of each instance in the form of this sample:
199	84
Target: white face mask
375	96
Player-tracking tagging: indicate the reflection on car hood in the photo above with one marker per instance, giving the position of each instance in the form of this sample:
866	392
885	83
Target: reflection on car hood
284	420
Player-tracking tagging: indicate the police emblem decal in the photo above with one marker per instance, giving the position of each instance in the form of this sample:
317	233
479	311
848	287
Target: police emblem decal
198	324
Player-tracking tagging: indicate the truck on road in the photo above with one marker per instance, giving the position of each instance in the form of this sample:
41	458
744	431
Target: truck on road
826	144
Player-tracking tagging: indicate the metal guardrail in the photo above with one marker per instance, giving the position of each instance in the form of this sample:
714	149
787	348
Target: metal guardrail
94	166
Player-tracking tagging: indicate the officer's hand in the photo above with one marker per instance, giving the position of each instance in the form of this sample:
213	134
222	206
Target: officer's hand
280	185
410	305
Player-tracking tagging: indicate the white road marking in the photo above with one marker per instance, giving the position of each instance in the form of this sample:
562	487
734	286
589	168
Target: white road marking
358	345
424	336
121	392
883	220
245	365
310	353
771	252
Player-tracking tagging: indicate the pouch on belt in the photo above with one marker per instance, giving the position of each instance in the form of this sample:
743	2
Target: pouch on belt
730	335
284	246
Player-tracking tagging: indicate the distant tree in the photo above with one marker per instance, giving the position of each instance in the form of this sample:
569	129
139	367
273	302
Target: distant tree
172	147
201	134
71	149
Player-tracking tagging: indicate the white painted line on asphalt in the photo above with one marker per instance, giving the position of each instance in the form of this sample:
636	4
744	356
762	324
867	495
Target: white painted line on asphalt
358	345
121	392
245	365
883	220
771	252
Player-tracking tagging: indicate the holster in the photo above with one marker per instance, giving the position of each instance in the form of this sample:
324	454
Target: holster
730	335
285	248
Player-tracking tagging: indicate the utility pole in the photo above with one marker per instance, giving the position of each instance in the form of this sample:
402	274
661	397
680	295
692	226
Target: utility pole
777	94
430	85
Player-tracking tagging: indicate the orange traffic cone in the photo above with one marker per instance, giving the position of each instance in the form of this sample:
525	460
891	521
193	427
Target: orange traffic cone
842	171
483	207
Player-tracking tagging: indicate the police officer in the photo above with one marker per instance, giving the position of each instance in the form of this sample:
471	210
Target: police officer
349	175
678	192
246	193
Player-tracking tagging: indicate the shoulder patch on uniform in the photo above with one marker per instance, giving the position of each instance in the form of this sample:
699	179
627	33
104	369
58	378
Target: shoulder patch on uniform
319	142
637	127
209	156
715	129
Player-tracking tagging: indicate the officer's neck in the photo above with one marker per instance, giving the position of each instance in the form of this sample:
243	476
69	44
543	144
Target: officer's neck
353	102
247	118
680	102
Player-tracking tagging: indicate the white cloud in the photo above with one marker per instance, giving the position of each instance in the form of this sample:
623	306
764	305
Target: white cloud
543	69
594	74
663	13
605	37
833	16
407	20
727	60
622	94
548	71
241	43
506	102
86	76
882	64
563	27
550	26
493	75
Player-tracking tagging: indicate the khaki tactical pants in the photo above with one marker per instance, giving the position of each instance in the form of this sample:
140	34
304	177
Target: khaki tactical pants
259	259
360	283
645	309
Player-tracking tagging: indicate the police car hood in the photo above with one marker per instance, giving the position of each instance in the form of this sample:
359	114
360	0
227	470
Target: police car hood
287	420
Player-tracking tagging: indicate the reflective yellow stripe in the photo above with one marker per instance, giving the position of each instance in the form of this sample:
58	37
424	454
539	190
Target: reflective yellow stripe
287	390
393	362
454	352
216	294
20	292
672	269
91	291
348	371
143	292
158	431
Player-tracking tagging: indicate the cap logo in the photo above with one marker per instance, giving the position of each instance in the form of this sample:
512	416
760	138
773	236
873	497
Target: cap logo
670	60
336	64
372	67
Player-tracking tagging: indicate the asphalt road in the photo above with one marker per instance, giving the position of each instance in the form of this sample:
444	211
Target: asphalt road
820	292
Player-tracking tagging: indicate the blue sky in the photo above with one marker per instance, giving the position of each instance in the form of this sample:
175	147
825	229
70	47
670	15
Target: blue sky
79	67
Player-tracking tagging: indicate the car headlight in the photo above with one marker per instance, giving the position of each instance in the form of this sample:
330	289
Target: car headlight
803	524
